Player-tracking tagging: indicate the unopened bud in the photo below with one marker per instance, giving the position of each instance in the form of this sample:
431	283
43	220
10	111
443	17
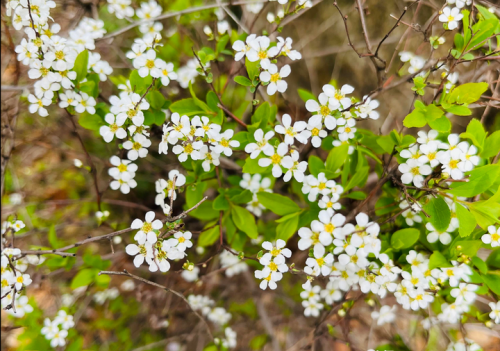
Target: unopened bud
488	324
370	302
341	313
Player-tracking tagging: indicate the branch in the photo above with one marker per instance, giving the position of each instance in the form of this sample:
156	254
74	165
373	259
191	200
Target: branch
178	294
178	13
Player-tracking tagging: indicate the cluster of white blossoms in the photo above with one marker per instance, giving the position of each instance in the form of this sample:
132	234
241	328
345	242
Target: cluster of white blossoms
51	58
280	14
259	49
464	344
152	248
14	278
384	315
123	174
232	263
217	315
274	264
256	184
100	297
57	330
454	158
198	139
147	13
166	189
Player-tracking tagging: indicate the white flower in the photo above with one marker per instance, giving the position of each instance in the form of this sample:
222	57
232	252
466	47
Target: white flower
65	320
84	102
328	227
295	168
21	280
59	338
274	78
284	48
261	144
411	213
310	292
451	17
166	73
192	275
324	108
320	264
385	315
338	96
495	311
465	293
426	138
241	48
468	158
331	293
146	228
316	131
50	329
188	149
268	277
367	109
149	64
429	154
291	132
444	237
450	165
183	239
137	148
413	171
275	158
312	308
114	128
38	104
141	253
68	98
209	157
224	143
258	49
329	204
493	237
278	251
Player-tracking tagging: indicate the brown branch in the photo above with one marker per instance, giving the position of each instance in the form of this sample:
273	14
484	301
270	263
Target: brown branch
178	294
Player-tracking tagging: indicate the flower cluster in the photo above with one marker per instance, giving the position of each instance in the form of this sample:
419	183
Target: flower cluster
166	189
154	249
197	138
454	158
255	184
51	58
57	330
217	315
232	263
274	264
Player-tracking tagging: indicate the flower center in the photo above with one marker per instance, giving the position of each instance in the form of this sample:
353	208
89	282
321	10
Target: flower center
181	239
136	146
495	237
275	159
275	251
275	77
329	228
150	64
415	171
453	164
451	18
147	227
273	266
262	54
321	261
224	142
113	128
188	149
315	132
122	168
324	110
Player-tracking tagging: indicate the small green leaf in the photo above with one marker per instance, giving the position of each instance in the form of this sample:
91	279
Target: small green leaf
208	237
306	95
244	221
439	213
437	260
467	93
186	107
286	229
155	99
84	277
81	65
491	145
466	220
279	204
243	81
404	238
336	157
475	132
315	165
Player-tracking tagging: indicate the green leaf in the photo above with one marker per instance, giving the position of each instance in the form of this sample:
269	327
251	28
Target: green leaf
315	165
244	221
439	213
208	237
220	203
279	204
261	115
221	44
306	95
415	119
487	212
404	238
286	229
493	259
205	211
213	101
493	282
139	85
469	247
491	145
356	195
91	122
358	178
81	65
441	124
243	197
467	93
253	69
466	220
54	242
84	277
186	107
459	110
480	180
480	265
243	81
155	99
336	157
437	260
475	132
